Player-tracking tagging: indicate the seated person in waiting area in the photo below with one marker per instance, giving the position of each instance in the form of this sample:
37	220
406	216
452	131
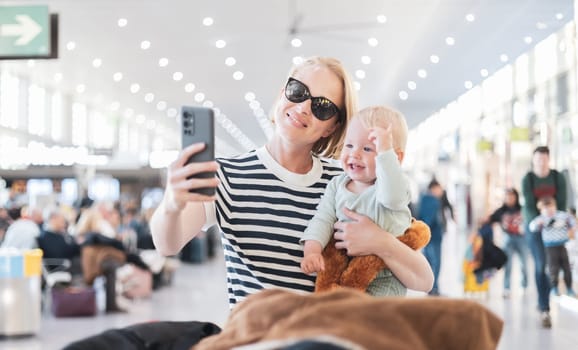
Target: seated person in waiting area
372	184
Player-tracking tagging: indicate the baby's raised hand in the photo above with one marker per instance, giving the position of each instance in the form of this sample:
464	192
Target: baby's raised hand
382	138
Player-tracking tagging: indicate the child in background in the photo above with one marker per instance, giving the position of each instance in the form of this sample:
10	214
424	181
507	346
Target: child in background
372	184
557	228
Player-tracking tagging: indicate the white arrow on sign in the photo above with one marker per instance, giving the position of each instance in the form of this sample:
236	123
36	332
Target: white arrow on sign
26	28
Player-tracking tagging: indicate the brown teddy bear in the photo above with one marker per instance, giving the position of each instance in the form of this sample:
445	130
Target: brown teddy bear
357	272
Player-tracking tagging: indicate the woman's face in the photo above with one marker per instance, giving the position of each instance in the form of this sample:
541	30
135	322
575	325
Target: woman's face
295	122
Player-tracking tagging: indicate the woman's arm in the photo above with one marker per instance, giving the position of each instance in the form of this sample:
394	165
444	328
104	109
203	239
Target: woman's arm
361	236
181	214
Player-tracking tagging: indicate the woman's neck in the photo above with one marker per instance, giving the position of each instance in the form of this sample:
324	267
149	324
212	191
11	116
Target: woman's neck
295	159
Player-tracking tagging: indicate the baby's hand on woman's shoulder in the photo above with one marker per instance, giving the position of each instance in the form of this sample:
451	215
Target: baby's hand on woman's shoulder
382	138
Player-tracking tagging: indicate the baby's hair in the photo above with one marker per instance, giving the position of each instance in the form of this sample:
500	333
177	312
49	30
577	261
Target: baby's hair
382	116
546	201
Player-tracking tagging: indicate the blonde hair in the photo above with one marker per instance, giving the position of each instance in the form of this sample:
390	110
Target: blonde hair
331	146
383	116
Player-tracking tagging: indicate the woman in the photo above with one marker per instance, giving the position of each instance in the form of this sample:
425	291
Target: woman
266	197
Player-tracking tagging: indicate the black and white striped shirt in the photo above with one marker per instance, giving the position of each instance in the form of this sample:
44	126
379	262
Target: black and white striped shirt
263	210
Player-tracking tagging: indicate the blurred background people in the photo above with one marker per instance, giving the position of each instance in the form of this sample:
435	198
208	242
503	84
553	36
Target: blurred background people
429	211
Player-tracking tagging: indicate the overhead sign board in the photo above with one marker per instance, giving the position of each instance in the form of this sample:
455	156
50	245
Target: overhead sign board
27	32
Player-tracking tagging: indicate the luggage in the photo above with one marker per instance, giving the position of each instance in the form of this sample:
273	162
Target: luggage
135	282
73	301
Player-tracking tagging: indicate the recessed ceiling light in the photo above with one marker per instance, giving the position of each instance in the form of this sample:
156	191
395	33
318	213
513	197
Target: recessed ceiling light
80	88
468	84
411	85
161	105
484	72
190	87
199	97
504	58
97	62
470	17
220	44
163	62
145	44
357	85
559	16
134	88
296	42
422	73
450	41
541	25
177	76
149	97
372	42
172	112
208	21
403	95
122	22
297	60
434	59
71	45
528	39
208	104
365	59
230	61
117	76
381	19
254	104
249	96
238	75
360	74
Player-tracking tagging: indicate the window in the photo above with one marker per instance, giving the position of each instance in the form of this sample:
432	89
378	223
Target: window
9	92
79	124
36	108
56	116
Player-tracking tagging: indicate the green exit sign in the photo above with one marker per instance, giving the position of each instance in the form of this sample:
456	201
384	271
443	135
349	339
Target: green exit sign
27	32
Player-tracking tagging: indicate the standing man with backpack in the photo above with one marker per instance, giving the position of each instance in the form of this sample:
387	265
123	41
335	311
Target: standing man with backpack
538	183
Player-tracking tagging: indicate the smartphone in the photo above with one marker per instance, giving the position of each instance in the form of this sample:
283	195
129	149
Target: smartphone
197	125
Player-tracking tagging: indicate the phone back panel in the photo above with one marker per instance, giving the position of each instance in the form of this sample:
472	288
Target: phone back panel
197	125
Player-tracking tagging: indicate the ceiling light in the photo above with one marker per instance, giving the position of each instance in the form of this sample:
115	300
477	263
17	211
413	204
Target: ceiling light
122	22
470	17
450	41
161	105
541	25
468	84
208	21
254	104
411	85
134	88
357	85
559	16
149	97
372	42
71	45
296	42
403	95
381	19
80	88
249	96
172	112
58	77
230	61
422	73
163	62
177	76
145	44
434	59
208	104
528	39
220	44
190	87
199	97
365	59
504	58
297	60
117	76
484	72
97	62
140	119
238	75
360	74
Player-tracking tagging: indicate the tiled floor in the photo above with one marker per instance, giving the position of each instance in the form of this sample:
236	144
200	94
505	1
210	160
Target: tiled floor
198	293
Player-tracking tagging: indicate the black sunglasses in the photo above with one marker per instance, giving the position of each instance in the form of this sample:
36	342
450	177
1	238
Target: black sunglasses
322	107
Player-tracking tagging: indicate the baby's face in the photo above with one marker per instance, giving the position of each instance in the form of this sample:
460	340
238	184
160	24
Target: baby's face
548	210
358	153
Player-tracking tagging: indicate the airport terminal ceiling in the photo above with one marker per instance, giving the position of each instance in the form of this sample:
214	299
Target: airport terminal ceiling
146	58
